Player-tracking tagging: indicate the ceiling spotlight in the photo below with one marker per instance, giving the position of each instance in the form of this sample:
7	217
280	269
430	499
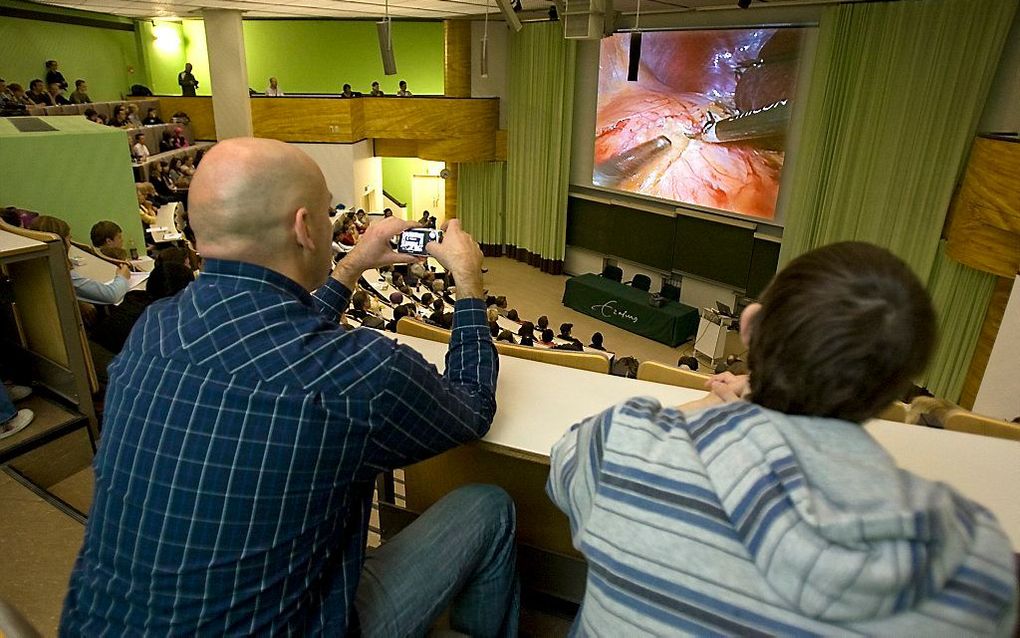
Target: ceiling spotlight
743	4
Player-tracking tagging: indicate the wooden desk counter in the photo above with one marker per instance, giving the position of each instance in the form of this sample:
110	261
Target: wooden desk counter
538	402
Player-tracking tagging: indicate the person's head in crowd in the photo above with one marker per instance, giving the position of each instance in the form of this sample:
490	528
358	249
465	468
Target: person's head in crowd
139	138
90	114
55	89
36	86
528	340
597	340
175	164
397	280
132	109
16	90
542	323
438	286
55	225
688	363
81	87
361	301
428	278
375	86
263	202
506	335
424	218
417	270
548	336
273	83
3	85
403	85
167	279
150	113
565	329
427	299
347	90
387	212
490	301
432	222
396	297
839	333
492	315
437	305
527	329
119	115
174	255
106	234
52	65
511	314
501	302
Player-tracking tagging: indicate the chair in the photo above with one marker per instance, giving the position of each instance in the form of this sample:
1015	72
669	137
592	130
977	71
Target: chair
965	421
670	375
897	411
612	272
412	328
670	291
641	282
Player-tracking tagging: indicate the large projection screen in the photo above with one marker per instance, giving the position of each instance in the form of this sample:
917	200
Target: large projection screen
705	123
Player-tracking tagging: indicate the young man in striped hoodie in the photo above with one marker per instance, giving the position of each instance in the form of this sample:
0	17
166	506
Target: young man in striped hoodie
766	509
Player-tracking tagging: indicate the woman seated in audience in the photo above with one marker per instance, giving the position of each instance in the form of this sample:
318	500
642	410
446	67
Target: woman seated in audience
87	290
596	342
132	114
166	142
119	118
349	236
177	138
548	337
506	336
178	177
187	167
492	316
361	221
145	192
159	177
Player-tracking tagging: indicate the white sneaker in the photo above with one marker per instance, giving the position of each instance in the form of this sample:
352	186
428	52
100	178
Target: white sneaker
18	392
20	421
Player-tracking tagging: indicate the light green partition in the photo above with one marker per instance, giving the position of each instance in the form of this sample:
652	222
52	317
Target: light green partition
80	172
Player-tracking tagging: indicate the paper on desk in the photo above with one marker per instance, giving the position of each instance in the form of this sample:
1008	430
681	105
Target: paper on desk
138	280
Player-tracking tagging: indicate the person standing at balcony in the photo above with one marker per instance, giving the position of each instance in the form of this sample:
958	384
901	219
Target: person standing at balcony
376	91
273	90
187	81
403	92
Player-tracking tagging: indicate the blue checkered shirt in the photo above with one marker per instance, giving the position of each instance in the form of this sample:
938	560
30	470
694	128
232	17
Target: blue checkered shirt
243	431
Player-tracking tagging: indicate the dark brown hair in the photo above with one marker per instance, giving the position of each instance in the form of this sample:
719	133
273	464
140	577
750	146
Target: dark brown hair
841	333
103	231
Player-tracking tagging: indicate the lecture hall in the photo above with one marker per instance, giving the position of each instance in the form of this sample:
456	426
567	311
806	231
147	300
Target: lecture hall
502	318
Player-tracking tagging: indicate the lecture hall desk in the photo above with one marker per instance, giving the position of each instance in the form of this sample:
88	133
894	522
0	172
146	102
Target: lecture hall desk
538	402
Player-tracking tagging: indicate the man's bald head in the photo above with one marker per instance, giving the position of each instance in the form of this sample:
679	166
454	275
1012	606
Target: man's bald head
245	197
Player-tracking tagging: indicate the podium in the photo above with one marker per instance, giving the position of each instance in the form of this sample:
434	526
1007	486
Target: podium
712	334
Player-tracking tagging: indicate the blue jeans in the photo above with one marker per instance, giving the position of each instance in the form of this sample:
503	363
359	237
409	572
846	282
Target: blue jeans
459	554
7	409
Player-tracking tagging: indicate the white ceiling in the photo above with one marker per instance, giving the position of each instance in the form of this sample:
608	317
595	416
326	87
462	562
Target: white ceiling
374	9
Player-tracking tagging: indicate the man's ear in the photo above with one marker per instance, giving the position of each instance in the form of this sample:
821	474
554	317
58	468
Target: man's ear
302	229
746	320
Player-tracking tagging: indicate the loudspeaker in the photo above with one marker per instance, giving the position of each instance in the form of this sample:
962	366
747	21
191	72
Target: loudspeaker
506	7
484	67
389	64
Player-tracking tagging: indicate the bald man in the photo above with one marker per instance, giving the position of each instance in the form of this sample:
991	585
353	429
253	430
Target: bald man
244	429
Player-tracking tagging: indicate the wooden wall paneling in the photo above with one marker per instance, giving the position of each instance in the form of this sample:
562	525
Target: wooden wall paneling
457	58
468	148
199	110
983	227
296	119
429	118
986	340
396	148
450	185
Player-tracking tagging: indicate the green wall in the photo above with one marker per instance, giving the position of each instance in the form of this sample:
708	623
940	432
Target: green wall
163	49
80	173
396	177
319	56
106	58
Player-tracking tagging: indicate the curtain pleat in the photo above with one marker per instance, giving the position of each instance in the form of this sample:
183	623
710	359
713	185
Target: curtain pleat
895	95
538	146
481	201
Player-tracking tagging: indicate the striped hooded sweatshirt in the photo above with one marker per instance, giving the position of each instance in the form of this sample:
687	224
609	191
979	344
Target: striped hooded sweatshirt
739	520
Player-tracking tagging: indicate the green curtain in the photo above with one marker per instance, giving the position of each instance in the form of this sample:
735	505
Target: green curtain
481	201
541	102
961	296
895	95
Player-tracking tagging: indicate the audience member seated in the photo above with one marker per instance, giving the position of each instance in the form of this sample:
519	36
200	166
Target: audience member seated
361	306
596	342
777	513
492	316
402	89
177	139
38	94
547	337
436	318
132	115
542	323
120	117
54	76
506	336
399	312
527	331
86	289
93	116
18	95
349	236
81	93
139	151
274	90
108	239
565	329
159	177
151	118
376	91
387	213
511	314
145	192
733	364
178	177
501	306
347	92
688	363
396	298
57	95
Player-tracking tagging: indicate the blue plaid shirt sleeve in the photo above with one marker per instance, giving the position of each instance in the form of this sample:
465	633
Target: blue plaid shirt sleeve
331	299
422	413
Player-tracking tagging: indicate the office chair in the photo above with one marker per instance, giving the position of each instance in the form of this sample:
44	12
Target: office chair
642	282
612	272
670	291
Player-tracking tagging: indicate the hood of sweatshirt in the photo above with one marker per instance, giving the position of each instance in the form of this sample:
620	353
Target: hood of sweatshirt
835	528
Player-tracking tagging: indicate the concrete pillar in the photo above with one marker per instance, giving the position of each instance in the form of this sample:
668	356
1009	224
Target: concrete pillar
228	71
457	58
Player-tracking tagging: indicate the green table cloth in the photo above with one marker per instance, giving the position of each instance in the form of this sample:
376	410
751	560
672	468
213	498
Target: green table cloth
628	308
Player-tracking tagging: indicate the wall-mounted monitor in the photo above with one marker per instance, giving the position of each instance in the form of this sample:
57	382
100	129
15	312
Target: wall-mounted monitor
705	123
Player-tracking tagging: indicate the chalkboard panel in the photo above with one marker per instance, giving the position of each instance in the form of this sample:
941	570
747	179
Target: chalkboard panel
713	250
764	262
627	233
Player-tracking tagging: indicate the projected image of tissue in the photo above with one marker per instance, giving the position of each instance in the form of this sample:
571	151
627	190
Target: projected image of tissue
706	121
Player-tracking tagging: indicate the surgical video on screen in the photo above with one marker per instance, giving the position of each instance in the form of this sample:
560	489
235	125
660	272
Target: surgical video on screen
706	121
